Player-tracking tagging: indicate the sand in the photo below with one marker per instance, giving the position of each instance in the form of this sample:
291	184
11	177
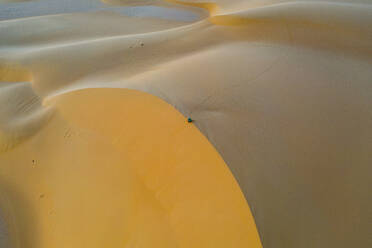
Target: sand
94	138
84	181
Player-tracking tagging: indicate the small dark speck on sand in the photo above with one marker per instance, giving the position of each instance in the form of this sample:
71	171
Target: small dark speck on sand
142	44
42	196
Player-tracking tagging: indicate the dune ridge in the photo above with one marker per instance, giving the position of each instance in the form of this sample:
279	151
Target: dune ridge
281	89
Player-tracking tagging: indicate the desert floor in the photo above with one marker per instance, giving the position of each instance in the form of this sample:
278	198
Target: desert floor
95	145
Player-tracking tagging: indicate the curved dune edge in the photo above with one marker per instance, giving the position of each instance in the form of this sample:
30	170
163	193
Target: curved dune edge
121	168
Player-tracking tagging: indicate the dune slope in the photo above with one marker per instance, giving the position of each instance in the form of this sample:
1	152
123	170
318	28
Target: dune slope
281	89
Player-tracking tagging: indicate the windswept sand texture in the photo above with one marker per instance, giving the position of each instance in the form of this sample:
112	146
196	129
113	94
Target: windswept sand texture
96	150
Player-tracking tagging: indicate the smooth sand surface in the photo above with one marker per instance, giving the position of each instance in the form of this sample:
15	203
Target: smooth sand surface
121	168
281	90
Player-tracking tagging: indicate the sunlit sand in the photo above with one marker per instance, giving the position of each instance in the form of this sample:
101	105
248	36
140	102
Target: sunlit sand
96	149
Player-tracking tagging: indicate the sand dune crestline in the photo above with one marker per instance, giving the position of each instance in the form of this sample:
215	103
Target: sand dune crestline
96	149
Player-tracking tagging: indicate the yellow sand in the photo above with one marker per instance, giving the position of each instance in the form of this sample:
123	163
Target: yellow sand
14	73
120	168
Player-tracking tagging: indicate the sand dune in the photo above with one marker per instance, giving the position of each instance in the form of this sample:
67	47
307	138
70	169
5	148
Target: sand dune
94	137
22	113
134	191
